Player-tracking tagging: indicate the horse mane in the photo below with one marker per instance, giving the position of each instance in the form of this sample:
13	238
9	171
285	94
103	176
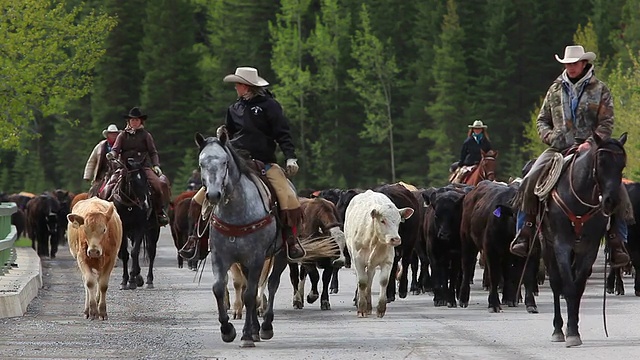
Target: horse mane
241	163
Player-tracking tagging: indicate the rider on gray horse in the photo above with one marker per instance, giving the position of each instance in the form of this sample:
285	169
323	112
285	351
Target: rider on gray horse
576	105
255	123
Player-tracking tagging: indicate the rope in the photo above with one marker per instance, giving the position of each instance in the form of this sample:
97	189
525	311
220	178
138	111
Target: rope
545	184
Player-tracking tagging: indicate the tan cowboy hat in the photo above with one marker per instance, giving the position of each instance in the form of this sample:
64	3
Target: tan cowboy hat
575	53
478	125
112	128
247	76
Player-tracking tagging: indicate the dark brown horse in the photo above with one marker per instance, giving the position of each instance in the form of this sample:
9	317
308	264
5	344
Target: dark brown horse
179	224
485	170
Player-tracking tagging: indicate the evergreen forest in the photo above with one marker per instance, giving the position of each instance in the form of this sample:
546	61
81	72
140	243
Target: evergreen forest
376	91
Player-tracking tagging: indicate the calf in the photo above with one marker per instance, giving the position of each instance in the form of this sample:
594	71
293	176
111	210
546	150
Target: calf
371	232
95	235
488	224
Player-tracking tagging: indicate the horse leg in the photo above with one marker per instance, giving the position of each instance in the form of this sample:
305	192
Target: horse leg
239	285
279	263
619	282
555	281
314	277
134	276
123	254
219	268
611	277
582	266
151	244
327	272
297	275
636	266
530	282
333	288
262	299
249	297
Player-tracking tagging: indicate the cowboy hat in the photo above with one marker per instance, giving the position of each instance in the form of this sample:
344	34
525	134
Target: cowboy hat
247	76
478	125
110	129
575	53
135	113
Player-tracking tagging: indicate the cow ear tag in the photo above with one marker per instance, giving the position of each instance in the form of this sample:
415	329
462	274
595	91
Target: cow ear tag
496	212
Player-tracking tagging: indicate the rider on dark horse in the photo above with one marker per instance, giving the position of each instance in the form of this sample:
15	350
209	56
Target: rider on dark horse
255	124
476	142
576	105
137	143
97	169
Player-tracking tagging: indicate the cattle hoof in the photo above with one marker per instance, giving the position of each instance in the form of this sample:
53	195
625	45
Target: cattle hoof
438	303
512	304
132	285
139	280
573	341
463	304
494	309
391	299
229	335
637	292
247	344
255	337
609	290
416	292
297	304
452	304
536	293
150	286
485	288
266	334
402	294
311	298
124	286
325	305
557	336
362	314
532	309
333	291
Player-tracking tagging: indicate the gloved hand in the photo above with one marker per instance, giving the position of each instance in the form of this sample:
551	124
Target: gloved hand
110	156
292	167
585	146
156	169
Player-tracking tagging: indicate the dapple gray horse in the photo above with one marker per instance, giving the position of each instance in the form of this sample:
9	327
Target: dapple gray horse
239	207
582	203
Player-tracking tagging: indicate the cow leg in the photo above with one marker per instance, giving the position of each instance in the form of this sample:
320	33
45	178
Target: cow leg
90	285
611	277
384	282
314	277
425	281
404	275
103	285
452	278
324	298
123	254
468	256
298	296
439	283
43	240
636	266
294	276
219	267
250	294
414	286
363	282
239	285
333	289
279	263
493	268
391	288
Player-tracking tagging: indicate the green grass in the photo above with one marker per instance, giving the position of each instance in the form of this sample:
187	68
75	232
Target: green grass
23	242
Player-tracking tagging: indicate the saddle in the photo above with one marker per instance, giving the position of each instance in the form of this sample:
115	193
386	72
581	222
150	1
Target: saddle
266	190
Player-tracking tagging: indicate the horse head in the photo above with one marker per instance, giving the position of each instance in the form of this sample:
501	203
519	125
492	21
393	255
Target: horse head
609	160
220	166
133	187
487	165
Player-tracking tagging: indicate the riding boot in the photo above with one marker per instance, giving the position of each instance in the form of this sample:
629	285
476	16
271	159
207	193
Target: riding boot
189	250
619	255
295	251
520	245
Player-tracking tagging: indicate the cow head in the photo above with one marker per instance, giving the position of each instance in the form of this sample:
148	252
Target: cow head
94	226
447	212
386	220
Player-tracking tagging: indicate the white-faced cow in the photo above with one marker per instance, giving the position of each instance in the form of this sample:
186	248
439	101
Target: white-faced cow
371	231
95	235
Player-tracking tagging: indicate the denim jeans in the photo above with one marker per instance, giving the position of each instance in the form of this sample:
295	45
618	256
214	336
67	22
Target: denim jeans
619	225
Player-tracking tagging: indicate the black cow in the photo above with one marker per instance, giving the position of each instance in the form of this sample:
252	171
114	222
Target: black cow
488	224
419	260
42	224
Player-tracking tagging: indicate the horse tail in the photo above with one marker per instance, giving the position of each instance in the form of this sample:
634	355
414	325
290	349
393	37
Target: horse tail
320	247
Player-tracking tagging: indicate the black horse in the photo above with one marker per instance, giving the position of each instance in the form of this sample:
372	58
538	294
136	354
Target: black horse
42	224
132	198
580	207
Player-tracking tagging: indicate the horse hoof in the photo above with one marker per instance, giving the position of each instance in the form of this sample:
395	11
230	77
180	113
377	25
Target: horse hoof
266	334
637	292
230	335
573	341
557	336
297	304
391	299
247	344
124	287
494	309
325	305
333	291
311	298
338	263
532	309
133	286
402	294
150	286
511	304
139	280
609	290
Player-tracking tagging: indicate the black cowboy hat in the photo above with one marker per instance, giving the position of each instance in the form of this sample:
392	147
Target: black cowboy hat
135	113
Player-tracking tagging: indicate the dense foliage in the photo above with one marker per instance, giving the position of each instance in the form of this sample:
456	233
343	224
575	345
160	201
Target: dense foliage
375	90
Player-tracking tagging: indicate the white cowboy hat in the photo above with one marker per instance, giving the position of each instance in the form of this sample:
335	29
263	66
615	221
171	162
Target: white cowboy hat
246	75
575	53
478	125
110	129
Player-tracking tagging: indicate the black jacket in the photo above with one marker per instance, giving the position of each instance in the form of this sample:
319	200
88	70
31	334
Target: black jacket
256	125
471	154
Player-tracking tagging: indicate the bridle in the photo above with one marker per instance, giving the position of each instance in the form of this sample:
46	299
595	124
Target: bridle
484	174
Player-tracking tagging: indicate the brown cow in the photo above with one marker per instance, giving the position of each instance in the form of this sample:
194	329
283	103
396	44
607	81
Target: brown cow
95	235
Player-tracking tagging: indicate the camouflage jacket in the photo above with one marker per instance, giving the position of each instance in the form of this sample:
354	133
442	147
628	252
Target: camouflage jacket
556	124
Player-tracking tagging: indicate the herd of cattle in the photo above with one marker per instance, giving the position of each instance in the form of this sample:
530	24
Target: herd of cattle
436	232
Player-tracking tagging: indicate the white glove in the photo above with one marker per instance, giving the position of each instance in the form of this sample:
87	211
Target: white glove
110	156
292	167
156	169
